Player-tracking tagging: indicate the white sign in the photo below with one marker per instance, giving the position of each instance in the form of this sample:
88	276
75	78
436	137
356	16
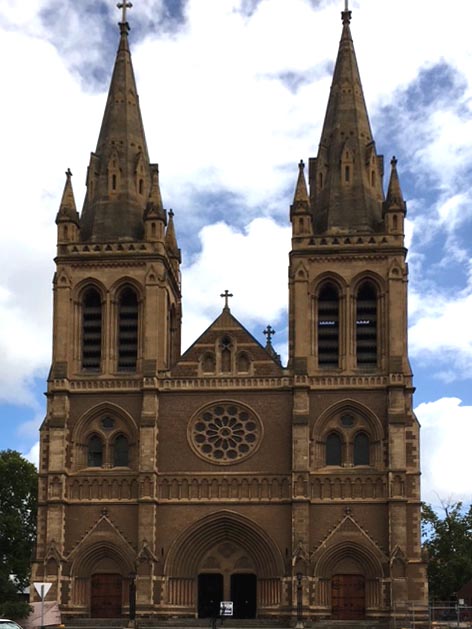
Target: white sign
42	588
226	608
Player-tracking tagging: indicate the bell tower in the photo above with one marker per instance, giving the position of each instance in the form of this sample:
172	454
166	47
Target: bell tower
117	319
352	410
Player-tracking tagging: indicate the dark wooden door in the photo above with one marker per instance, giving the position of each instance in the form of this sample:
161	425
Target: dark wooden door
244	595
348	597
105	596
210	594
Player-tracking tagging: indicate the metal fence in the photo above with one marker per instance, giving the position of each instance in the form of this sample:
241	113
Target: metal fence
438	615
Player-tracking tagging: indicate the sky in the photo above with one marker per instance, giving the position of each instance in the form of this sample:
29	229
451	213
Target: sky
233	94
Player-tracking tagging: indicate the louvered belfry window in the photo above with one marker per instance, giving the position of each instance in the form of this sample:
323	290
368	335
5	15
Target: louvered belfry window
328	326
366	325
91	330
127	330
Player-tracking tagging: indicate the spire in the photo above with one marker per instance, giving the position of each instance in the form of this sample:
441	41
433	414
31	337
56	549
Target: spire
67	209
300	212
346	177
171	239
154	205
118	180
394	198
301	191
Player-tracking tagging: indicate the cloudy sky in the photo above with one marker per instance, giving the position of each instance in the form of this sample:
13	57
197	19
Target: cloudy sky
233	94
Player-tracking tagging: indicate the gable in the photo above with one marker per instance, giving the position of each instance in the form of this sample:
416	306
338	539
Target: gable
225	349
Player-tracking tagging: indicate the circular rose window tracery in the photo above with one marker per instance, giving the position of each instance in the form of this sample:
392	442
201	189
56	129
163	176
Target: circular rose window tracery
225	433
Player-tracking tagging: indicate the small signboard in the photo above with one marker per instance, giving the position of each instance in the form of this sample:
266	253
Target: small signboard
42	588
226	608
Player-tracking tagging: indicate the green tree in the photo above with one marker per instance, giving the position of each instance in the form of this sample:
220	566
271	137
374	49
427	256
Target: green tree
18	506
448	540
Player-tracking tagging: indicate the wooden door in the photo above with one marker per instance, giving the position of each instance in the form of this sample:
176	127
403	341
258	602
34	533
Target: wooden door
105	596
348	597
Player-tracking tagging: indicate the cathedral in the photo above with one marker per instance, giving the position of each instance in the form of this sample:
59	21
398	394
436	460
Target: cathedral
172	481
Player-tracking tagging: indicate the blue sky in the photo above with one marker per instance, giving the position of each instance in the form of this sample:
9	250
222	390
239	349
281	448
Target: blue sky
233	94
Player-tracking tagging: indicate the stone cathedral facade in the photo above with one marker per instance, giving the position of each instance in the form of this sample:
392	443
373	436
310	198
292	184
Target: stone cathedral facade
219	473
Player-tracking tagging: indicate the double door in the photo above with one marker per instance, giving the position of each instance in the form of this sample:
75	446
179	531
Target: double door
241	588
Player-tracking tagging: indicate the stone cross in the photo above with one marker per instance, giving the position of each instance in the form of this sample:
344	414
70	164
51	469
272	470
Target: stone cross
123	6
226	294
269	332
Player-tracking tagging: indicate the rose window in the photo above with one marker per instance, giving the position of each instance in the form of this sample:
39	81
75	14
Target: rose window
225	432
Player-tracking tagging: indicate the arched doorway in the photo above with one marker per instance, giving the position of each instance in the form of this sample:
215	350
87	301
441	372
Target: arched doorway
225	557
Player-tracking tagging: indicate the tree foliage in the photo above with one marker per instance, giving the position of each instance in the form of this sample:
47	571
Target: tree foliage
18	505
448	540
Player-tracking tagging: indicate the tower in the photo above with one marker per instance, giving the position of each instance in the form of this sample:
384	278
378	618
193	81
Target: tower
355	434
218	474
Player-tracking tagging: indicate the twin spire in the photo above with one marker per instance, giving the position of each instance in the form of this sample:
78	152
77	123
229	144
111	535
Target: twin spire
345	179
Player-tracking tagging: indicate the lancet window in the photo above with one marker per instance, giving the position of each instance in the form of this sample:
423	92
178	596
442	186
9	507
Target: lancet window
328	326
366	325
127	330
91	330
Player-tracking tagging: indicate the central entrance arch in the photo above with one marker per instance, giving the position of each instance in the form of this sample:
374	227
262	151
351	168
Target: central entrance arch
228	557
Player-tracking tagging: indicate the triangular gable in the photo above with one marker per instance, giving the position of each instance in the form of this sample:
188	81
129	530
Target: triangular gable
261	361
102	528
348	527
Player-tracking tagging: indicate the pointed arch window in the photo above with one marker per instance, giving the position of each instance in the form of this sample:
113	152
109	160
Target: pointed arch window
328	326
94	451
366	325
226	354
361	449
120	451
334	449
91	330
127	330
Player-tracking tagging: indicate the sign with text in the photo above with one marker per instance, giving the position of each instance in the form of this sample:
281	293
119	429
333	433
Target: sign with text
226	608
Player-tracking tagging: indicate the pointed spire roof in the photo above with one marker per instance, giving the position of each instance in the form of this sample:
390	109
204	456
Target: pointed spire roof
118	181
67	208
171	239
154	207
347	178
394	194
301	190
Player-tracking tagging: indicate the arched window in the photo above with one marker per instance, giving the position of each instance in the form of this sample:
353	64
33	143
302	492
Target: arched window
208	363
226	346
120	451
243	363
95	451
366	325
334	449
361	449
127	330
91	330
328	326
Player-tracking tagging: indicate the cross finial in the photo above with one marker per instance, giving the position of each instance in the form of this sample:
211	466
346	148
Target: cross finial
123	6
346	14
226	295
269	332
68	173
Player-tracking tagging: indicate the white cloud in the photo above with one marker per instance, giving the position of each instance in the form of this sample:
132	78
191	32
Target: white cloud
252	264
442	333
446	435
33	454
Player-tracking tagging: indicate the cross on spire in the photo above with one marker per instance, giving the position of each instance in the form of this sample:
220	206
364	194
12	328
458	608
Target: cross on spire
123	6
346	14
226	295
269	332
